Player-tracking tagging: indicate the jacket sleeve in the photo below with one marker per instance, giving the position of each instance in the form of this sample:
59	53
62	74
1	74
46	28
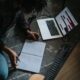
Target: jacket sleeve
21	22
1	45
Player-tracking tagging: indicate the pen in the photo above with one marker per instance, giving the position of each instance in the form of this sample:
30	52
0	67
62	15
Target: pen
17	59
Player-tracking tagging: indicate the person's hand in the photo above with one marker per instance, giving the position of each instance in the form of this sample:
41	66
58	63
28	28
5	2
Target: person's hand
12	55
32	35
13	58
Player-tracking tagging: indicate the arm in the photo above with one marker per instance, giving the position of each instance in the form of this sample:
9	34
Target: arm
12	54
25	27
21	22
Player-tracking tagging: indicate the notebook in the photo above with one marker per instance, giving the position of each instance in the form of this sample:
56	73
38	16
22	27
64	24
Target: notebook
31	56
57	27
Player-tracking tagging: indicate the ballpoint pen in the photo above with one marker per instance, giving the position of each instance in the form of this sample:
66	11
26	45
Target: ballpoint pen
17	59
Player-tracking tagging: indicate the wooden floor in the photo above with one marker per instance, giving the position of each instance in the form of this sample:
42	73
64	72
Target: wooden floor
71	68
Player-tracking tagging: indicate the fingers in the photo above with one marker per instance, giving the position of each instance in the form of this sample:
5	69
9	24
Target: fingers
14	61
33	36
36	35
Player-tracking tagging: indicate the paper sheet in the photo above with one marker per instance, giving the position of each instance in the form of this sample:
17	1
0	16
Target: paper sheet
31	56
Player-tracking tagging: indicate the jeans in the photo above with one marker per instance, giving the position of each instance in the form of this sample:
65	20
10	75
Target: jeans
3	67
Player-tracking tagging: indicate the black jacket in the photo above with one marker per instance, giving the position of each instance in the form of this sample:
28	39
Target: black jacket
11	14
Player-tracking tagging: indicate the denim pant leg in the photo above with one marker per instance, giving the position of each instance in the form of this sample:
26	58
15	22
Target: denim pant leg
3	67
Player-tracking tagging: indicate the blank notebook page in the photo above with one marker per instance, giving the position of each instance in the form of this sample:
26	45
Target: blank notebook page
31	56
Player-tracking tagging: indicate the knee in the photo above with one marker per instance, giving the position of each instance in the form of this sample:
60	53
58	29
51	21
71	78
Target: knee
3	68
4	74
3	77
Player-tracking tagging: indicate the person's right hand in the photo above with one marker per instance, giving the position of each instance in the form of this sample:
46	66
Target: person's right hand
13	58
11	53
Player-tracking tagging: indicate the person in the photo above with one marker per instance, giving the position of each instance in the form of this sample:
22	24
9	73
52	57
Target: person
12	12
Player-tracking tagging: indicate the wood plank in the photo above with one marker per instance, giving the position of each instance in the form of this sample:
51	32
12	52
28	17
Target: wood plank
71	68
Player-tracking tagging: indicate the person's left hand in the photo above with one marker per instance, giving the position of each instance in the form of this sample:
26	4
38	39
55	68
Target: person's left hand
32	35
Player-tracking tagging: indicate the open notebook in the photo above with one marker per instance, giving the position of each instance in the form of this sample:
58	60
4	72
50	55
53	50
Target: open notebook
31	56
59	26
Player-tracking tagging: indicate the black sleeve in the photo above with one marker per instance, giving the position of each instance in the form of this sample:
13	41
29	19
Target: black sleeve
1	44
21	22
